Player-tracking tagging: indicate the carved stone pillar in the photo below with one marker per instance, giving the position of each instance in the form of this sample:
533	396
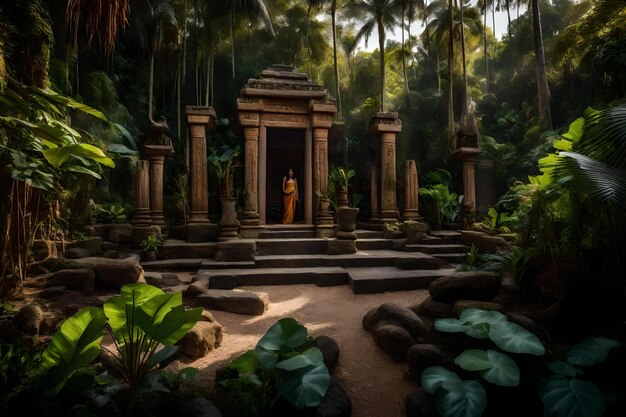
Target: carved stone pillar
250	216
386	126
157	154
411	189
308	177
262	189
142	195
199	119
375	210
468	155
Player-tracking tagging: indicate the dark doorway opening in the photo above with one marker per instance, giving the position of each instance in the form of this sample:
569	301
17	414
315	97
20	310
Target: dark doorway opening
285	150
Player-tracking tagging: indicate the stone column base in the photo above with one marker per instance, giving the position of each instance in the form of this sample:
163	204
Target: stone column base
410	214
197	217
250	231
228	233
341	247
324	231
389	216
142	217
201	232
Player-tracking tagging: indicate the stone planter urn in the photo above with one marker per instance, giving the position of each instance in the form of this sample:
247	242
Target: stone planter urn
229	225
324	205
342	197
414	231
346	222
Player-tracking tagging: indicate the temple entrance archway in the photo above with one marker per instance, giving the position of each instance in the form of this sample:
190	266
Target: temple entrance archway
284	118
285	150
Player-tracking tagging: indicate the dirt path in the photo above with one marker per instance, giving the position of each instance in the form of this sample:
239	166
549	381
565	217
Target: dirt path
376	384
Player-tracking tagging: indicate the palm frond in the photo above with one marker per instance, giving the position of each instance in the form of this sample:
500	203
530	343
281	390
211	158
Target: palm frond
604	136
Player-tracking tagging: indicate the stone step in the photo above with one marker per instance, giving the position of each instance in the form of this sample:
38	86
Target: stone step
454	258
369	234
450	236
374	244
185	264
440	248
213	264
377	280
178	249
289	227
287	234
290	246
360	259
320	276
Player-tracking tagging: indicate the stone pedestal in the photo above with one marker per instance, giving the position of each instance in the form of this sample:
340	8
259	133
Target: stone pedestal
156	155
375	211
199	120
386	126
229	225
411	191
142	195
346	237
468	156
325	224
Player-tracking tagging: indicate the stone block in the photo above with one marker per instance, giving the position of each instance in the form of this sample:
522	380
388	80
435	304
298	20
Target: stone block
77	253
341	247
201	232
82	279
140	233
223	281
203	337
469	285
92	244
235	301
239	250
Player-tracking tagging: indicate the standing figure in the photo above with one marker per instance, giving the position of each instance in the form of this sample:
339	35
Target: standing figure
290	196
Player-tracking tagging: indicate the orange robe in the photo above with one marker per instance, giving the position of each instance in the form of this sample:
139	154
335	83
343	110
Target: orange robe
289	199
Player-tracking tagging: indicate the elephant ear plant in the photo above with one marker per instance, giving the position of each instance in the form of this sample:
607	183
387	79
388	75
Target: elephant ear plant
144	323
562	397
285	363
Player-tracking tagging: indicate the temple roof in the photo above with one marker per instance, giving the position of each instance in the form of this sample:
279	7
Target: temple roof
285	82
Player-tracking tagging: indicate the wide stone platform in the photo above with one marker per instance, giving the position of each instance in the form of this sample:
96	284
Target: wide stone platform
291	254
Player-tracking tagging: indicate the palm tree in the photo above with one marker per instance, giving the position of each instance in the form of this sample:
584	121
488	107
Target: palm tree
254	9
380	14
154	16
410	8
482	4
543	90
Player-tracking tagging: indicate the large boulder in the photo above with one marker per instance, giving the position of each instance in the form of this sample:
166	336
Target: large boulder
468	285
420	404
336	402
82	279
121	235
462	305
198	407
114	273
28	320
397	314
77	253
434	309
235	301
422	356
203	337
330	351
393	339
92	244
484	242
196	288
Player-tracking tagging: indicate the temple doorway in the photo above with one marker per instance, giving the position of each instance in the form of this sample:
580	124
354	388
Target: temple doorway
285	150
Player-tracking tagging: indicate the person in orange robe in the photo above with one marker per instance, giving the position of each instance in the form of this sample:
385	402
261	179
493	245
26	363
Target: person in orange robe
290	196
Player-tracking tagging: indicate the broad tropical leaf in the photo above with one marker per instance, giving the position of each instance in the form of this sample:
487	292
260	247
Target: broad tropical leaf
591	351
304	387
433	377
478	331
563	368
572	398
286	333
504	371
312	356
460	399
75	345
478	316
514	338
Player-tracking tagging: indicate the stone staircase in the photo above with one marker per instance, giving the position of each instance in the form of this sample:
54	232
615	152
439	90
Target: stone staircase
293	255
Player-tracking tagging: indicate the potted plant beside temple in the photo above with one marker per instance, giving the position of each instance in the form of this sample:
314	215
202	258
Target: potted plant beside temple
339	179
225	161
150	246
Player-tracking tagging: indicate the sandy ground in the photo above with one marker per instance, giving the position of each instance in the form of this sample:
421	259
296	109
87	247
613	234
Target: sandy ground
376	384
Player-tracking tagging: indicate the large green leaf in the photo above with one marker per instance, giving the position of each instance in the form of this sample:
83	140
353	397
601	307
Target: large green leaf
304	387
504	370
473	360
312	356
59	155
76	344
119	308
478	331
478	316
247	362
460	399
176	323
572	398
591	351
285	334
434	376
563	368
514	338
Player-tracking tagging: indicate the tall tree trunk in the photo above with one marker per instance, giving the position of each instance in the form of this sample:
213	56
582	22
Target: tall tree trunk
232	40
438	71
212	75
208	78
508	16
151	85
464	64
450	65
485	44
426	30
333	12
381	46
406	78
493	22
543	90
